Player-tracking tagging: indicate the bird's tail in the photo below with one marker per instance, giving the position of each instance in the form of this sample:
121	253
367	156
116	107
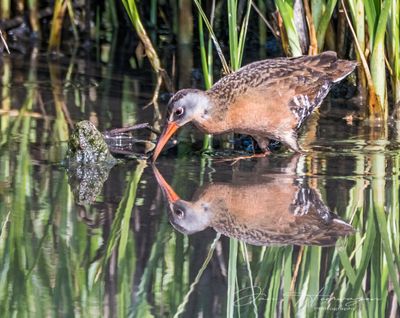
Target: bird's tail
342	69
342	227
328	236
328	63
335	68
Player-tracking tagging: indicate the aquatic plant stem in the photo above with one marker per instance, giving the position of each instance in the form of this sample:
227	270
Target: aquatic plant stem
233	38
394	40
5	9
378	69
324	22
245	255
71	13
120	226
378	186
287	13
185	30
358	15
56	25
131	9
232	277
295	274
3	229
183	304
313	49
113	13
213	37
34	15
242	35
4	42
261	15
375	108
207	67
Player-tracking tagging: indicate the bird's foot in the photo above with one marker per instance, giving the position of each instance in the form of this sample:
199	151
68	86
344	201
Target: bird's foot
237	159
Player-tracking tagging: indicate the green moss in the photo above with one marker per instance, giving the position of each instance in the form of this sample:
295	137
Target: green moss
86	145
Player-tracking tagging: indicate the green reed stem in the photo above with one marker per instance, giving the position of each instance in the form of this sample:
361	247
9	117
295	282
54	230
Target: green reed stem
126	208
5	9
56	25
33	15
242	36
387	248
213	37
71	13
286	11
245	255
134	16
182	306
317	9
324	22
378	67
207	67
121	222
207	70
371	15
233	38
394	48
232	277
113	13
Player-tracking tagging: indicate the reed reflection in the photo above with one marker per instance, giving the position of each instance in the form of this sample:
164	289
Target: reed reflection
269	209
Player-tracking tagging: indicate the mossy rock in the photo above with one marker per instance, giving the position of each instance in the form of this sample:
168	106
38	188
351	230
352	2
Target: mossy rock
87	146
88	162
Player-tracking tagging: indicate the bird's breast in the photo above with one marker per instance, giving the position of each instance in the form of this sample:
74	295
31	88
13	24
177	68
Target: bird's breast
258	114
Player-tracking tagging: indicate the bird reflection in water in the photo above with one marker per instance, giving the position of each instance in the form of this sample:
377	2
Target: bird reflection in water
260	210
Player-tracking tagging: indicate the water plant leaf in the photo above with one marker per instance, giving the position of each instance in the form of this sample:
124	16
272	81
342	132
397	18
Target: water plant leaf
324	22
285	8
232	277
213	37
120	225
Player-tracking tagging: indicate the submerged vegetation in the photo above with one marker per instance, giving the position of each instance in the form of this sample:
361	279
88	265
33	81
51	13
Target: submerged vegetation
119	256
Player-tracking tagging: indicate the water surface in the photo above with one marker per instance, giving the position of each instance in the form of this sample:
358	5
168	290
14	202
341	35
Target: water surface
322	229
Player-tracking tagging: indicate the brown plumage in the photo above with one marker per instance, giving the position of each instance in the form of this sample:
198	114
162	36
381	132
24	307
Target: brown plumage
277	210
269	99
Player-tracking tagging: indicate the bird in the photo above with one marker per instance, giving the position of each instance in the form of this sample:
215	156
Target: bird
274	210
268	99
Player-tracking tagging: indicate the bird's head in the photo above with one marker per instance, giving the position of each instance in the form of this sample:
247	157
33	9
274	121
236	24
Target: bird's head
186	217
185	106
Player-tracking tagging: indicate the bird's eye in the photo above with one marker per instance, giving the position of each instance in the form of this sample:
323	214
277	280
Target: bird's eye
179	213
179	111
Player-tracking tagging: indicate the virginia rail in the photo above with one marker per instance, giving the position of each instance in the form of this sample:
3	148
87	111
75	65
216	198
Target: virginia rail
259	211
269	99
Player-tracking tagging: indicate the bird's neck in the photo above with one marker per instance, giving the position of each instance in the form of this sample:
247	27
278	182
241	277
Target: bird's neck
212	119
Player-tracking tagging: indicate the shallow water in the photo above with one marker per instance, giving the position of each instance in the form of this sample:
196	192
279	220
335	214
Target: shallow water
121	251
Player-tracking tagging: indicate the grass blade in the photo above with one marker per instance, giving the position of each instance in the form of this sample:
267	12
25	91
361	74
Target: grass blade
286	11
232	277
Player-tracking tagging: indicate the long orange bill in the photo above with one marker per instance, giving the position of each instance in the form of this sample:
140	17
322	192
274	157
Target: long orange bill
168	131
169	193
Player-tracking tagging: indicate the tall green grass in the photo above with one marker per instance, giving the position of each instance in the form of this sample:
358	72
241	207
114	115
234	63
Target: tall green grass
375	23
236	49
376	28
51	249
206	52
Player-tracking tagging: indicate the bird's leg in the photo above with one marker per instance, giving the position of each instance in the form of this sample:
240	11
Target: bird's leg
237	159
292	141
262	143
